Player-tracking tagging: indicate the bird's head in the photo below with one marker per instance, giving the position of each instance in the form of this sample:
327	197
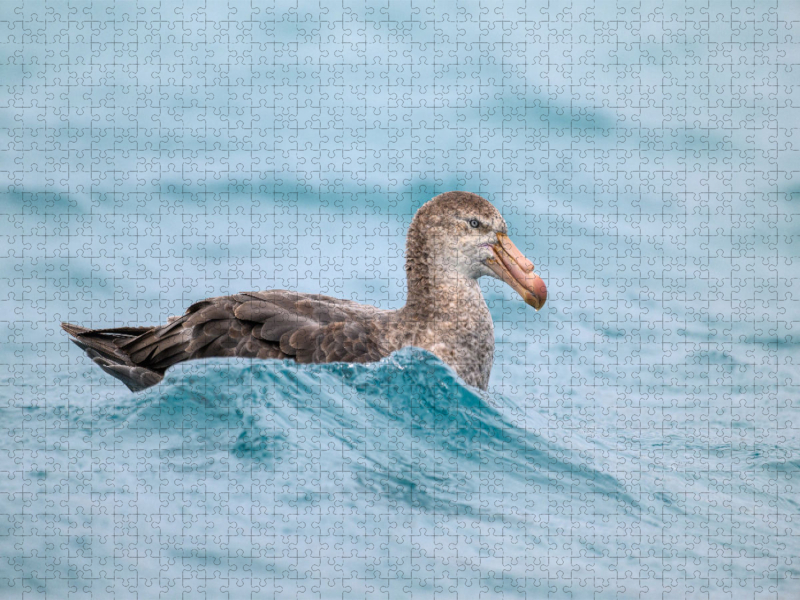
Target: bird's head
462	233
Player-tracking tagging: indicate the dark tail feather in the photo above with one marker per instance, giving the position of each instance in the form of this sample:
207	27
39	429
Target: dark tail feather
103	347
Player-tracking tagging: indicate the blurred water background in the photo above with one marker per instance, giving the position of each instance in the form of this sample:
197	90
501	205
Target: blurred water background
640	437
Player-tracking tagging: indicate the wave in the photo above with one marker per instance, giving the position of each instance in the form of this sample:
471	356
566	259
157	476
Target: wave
272	467
409	425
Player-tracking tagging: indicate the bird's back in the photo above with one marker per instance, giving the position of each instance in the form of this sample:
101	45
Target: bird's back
273	324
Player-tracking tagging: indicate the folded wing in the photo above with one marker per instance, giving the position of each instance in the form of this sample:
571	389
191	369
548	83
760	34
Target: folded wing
271	324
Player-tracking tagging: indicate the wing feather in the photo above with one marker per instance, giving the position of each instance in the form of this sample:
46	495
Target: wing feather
268	324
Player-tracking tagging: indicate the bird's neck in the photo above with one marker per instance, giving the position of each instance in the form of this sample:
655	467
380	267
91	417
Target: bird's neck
437	290
443	295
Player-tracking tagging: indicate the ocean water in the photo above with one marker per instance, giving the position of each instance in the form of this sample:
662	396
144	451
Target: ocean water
640	437
266	478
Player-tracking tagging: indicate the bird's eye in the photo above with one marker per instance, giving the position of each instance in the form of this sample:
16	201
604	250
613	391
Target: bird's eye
474	223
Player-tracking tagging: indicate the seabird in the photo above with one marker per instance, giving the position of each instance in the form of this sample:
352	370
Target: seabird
454	239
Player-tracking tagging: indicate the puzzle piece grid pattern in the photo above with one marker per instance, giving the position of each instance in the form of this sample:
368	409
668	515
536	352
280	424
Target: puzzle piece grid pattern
156	153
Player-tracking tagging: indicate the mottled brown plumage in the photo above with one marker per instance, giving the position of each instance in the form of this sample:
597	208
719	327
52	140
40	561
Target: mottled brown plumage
453	240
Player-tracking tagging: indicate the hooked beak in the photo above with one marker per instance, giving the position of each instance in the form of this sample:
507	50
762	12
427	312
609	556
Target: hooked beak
510	265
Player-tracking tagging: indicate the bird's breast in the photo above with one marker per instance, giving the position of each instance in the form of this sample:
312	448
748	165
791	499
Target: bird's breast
465	345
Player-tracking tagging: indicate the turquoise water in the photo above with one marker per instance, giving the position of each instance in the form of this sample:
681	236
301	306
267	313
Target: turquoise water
249	477
639	438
